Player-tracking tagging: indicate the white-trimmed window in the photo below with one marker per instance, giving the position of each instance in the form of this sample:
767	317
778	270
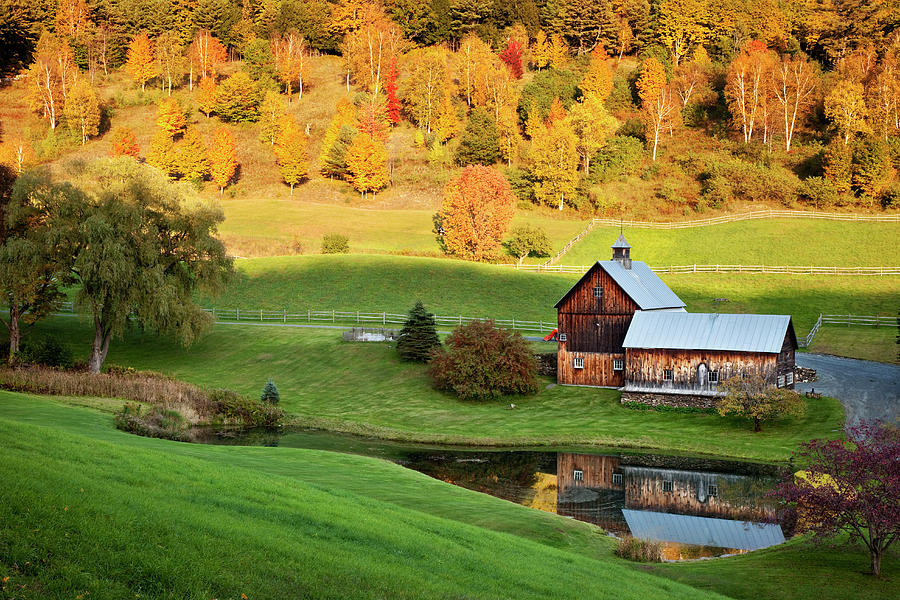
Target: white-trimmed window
578	475
668	486
618	364
714	377
713	491
562	337
579	362
668	374
789	378
618	479
598	292
780	381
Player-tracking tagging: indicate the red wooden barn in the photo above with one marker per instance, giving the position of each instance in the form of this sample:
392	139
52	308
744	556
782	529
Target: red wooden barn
621	326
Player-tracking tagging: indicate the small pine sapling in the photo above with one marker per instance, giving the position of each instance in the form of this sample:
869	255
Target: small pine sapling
418	338
270	393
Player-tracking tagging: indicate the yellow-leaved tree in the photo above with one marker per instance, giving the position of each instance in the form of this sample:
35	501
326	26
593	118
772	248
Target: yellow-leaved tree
598	81
290	152
141	64
659	103
83	110
367	164
845	105
206	95
555	163
223	161
682	25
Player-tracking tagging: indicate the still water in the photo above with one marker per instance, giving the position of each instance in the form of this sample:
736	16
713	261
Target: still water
695	507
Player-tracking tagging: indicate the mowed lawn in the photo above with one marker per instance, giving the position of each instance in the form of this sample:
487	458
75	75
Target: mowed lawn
802	242
192	521
447	287
269	226
365	388
95	515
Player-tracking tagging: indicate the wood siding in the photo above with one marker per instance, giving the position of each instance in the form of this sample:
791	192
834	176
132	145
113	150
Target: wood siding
597	471
644	368
615	301
595	329
598	368
785	362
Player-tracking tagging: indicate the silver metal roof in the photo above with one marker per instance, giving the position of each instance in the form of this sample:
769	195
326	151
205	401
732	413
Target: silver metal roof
621	242
707	331
702	531
642	285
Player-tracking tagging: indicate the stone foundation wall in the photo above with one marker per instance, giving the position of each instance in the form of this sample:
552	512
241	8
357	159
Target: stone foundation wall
546	363
676	400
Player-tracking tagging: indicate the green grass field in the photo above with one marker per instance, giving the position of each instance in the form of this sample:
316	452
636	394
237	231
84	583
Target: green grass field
365	388
393	284
192	521
802	242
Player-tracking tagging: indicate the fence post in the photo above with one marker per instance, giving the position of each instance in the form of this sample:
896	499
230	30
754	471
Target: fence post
214	313
332	315
514	323
237	314
384	318
284	314
695	267
260	315
460	320
308	316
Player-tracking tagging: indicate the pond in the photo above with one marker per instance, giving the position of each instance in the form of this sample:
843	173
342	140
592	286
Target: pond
695	507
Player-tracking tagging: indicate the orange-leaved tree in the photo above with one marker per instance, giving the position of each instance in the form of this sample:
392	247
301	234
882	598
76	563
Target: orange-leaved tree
170	117
288	53
206	54
223	161
290	152
124	142
477	209
141	64
598	81
367	164
659	103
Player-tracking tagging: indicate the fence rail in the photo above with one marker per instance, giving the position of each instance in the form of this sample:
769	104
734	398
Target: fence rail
572	242
751	214
770	269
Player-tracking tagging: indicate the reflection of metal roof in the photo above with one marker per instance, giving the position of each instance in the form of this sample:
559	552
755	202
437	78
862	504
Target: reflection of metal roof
640	283
707	331
702	531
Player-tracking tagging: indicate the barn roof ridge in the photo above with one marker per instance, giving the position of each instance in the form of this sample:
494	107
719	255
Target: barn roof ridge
708	331
641	284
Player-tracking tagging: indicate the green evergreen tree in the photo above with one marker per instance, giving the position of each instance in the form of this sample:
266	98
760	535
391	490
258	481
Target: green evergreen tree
335	162
480	144
270	393
418	336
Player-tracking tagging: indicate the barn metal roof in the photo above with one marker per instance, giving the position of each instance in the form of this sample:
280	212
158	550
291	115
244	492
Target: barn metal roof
640	283
702	531
708	331
621	242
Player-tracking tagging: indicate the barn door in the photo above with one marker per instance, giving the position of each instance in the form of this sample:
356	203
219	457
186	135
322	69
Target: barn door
702	377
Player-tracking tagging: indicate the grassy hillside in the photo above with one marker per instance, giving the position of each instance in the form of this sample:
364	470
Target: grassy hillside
801	242
171	525
280	517
365	388
377	283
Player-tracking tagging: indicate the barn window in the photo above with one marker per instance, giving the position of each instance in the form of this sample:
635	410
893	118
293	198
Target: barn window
579	362
714	377
618	479
578	475
713	491
598	292
562	337
668	486
618	364
780	381
789	378
668	374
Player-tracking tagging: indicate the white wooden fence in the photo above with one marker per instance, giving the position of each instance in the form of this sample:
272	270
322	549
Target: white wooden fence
770	269
848	320
750	214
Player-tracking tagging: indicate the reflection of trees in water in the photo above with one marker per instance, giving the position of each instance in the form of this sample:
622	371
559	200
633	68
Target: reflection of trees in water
260	436
508	475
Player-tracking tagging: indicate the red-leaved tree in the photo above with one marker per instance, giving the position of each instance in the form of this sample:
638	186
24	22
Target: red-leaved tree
390	88
851	486
482	361
512	58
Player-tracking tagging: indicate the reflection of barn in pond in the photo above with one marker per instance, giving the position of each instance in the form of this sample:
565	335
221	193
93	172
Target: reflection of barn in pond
674	505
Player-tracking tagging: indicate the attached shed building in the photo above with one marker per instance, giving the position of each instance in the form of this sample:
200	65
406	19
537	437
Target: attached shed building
621	326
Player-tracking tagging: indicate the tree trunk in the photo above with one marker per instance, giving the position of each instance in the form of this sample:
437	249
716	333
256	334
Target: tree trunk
15	334
99	347
876	563
757	425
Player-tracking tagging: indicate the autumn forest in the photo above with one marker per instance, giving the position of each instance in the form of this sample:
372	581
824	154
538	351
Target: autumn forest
607	107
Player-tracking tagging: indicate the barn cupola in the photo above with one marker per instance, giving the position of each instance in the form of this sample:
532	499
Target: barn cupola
622	252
